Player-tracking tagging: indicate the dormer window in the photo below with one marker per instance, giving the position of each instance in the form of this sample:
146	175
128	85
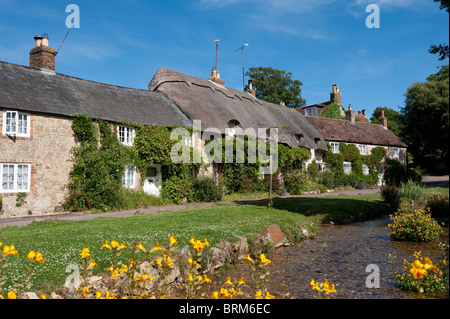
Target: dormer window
231	129
16	123
126	134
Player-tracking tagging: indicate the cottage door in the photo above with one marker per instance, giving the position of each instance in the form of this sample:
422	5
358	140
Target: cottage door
153	180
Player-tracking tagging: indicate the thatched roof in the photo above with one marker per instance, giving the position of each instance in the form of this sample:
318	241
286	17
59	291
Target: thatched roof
216	105
27	89
359	132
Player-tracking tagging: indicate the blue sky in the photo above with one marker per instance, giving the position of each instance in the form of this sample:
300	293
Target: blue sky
319	42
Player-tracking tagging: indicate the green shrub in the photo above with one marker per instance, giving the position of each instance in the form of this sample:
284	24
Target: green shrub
392	195
296	182
326	178
176	189
139	199
439	205
413	225
412	191
205	190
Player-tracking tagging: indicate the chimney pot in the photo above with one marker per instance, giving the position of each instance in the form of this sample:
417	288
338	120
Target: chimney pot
214	73
42	56
383	120
250	84
364	113
350	115
282	103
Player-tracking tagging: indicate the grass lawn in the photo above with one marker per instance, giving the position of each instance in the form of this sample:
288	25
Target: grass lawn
60	242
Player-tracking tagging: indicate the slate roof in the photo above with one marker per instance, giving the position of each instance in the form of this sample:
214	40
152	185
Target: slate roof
216	106
27	89
360	133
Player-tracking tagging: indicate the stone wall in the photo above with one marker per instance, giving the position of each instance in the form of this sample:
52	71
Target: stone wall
48	151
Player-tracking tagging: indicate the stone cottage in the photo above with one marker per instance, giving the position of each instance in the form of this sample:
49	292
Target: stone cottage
36	109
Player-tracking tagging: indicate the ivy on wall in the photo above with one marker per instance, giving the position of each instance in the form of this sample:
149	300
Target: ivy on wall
350	153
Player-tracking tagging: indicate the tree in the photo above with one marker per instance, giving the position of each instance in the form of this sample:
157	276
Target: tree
426	116
441	49
276	86
333	111
394	119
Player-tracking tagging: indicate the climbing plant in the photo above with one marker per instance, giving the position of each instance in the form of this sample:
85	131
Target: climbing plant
350	153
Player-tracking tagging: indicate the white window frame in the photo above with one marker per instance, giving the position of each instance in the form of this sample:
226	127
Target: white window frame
231	129
395	152
17	129
334	147
128	135
347	168
362	149
365	169
15	188
311	111
129	177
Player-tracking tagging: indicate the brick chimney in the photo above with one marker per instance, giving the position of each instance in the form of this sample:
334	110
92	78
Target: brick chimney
335	94
383	120
42	56
350	115
215	77
250	89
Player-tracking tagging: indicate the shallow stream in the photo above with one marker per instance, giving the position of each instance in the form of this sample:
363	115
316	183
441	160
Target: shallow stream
341	254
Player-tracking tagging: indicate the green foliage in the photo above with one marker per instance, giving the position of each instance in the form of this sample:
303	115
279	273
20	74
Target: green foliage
326	178
20	199
392	195
206	190
412	191
177	189
350	153
292	157
276	86
426	117
396	174
98	165
297	182
333	111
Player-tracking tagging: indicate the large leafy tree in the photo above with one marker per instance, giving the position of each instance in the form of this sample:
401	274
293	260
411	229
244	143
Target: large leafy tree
394	119
441	49
426	116
276	86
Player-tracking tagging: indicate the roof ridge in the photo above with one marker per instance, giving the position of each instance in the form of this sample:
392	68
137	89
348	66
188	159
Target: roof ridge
77	78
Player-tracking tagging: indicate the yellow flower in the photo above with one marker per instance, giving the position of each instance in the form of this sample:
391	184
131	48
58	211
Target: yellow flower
123	246
241	281
417	270
12	295
206	279
39	258
268	296
31	255
215	295
43	296
157	247
92	264
114	244
173	240
258	294
249	259
85	253
106	245
10	250
264	260
98	294
205	242
140	246
228	282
